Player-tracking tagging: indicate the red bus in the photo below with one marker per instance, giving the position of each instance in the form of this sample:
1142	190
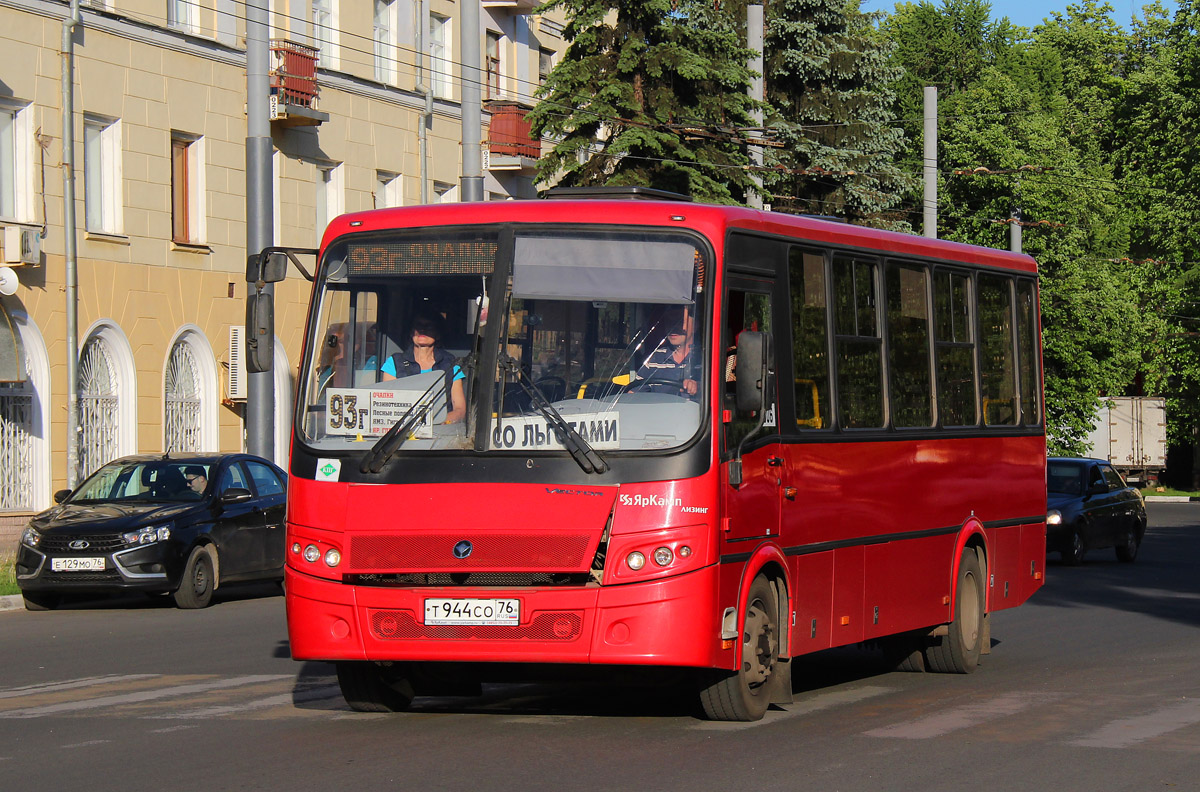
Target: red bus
616	433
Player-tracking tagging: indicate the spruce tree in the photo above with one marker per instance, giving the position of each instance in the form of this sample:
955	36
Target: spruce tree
649	93
828	77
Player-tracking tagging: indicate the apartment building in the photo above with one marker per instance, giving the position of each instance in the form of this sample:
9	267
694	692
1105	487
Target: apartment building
159	127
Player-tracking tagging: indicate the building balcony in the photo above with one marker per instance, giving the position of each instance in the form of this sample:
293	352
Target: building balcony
511	145
294	89
512	6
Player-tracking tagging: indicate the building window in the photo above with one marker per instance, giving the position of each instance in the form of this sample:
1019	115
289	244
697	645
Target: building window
440	55
492	65
329	195
386	25
182	389
444	192
99	396
388	190
16	162
545	65
102	174
16	445
187	189
325	32
181	15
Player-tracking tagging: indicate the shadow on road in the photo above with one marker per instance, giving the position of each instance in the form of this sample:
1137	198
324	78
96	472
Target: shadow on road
136	600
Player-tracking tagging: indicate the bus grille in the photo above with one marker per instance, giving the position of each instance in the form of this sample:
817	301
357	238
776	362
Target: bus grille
421	552
394	625
494	579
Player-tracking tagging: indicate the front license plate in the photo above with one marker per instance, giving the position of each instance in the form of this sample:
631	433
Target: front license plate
473	611
77	564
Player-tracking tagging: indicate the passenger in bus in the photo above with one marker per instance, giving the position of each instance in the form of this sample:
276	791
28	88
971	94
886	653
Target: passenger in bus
672	366
427	354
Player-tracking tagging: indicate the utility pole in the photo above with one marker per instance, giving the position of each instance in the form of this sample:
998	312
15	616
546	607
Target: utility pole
472	104
423	87
260	401
754	41
1014	234
929	168
72	275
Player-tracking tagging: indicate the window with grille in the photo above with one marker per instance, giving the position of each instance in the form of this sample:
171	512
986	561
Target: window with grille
182	389
16	446
99	392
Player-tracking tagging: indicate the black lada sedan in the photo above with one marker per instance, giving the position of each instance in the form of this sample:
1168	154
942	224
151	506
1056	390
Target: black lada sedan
181	524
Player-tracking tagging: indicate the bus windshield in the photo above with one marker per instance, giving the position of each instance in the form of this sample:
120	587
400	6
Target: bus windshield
599	331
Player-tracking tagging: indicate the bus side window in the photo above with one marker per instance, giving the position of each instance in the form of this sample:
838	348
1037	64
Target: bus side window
997	375
744	310
859	343
810	337
911	384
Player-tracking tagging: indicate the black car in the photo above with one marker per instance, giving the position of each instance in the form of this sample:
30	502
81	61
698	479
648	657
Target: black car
181	524
1089	506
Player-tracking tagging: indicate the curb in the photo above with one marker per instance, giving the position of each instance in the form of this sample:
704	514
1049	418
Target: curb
1171	499
11	602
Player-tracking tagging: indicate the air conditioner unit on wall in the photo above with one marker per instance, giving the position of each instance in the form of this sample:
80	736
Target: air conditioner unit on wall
22	245
237	364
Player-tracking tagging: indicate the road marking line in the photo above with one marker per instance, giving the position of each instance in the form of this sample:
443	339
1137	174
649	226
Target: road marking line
1129	731
806	705
50	687
959	718
283	699
86	744
170	729
136	698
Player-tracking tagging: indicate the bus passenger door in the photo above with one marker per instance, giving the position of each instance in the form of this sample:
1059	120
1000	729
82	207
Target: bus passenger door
751	509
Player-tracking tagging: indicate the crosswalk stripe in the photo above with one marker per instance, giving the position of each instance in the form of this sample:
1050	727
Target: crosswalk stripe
283	699
1129	731
70	684
140	696
958	718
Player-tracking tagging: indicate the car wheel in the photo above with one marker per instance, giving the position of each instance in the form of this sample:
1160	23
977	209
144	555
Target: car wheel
198	583
370	687
745	694
957	652
1075	551
41	600
1127	547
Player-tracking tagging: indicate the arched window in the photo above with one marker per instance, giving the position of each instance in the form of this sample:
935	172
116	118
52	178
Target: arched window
16	445
99	402
183	402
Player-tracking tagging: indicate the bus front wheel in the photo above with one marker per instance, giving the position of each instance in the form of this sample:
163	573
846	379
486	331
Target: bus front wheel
371	687
957	652
745	694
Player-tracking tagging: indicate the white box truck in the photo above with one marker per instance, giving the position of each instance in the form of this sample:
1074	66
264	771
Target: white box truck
1131	433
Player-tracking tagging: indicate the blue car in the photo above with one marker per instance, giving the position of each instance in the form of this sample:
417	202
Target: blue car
1089	507
178	524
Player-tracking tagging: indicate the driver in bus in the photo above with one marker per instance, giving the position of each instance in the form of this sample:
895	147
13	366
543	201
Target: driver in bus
671	367
426	354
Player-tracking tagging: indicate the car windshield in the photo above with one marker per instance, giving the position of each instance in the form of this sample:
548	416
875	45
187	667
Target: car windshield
166	481
1064	478
598	330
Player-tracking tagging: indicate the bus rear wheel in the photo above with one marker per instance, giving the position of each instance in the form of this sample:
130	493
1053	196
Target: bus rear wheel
371	687
957	652
745	694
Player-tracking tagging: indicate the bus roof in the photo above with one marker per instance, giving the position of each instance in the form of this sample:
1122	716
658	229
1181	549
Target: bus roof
710	219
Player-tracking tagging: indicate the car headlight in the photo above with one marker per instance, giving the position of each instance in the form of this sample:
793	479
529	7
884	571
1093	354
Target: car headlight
30	537
1054	517
145	536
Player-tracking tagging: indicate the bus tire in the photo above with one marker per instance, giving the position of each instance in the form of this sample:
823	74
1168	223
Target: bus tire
198	582
369	687
904	652
745	694
957	652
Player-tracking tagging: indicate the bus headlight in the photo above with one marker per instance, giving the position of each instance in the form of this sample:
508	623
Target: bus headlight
663	556
635	561
312	553
1054	517
332	557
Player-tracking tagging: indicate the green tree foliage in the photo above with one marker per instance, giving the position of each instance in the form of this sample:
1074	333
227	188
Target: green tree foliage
650	93
828	81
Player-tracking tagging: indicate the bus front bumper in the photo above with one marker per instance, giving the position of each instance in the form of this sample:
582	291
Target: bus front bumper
668	622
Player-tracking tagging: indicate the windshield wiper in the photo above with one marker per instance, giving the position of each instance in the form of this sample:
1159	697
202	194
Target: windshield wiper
378	455
580	450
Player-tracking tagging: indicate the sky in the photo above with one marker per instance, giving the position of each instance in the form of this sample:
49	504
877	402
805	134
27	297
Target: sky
1031	12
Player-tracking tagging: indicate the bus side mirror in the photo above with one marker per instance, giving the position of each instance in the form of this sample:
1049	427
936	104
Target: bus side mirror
260	332
269	266
750	371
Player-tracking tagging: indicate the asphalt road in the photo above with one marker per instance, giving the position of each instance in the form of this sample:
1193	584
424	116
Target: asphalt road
1091	686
